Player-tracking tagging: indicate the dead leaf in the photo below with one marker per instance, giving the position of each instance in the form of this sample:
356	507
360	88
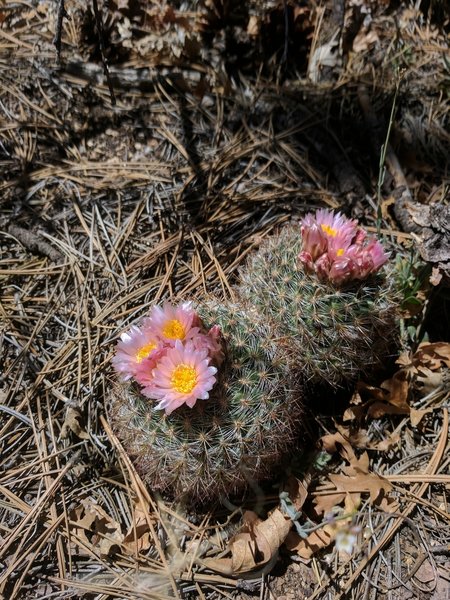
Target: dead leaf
317	540
323	56
258	543
355	479
297	490
336	442
433	355
360	438
255	545
416	416
321	538
73	422
398	390
364	40
326	502
95	528
137	539
254	26
363	483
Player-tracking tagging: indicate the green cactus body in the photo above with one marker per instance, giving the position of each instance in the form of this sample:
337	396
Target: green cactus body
331	334
235	437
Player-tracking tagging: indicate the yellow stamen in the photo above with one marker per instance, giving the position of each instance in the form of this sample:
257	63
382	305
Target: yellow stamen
184	379
144	352
173	330
340	252
329	230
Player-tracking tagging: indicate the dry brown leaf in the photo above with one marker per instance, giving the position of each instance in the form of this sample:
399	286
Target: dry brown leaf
336	442
317	540
95	528
364	40
355	479
321	538
371	483
73	422
416	416
255	545
398	390
259	541
297	490
137	538
326	502
254	26
360	438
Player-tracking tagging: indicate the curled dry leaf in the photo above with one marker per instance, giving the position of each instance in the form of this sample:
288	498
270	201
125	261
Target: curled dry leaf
137	539
257	543
95	529
74	423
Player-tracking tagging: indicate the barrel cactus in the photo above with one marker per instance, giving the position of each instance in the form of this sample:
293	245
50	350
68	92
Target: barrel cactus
321	289
232	434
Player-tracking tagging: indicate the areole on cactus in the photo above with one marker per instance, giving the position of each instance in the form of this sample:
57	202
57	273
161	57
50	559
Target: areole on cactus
211	397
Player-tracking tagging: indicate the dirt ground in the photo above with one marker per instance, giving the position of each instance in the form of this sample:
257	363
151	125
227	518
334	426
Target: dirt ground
146	149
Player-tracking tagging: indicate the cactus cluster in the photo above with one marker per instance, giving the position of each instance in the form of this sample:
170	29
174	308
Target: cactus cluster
230	377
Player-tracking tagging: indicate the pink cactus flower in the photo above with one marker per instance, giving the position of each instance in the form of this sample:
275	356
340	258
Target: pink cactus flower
182	376
336	225
377	253
171	323
322	267
342	270
144	371
306	259
336	249
211	342
134	346
314	240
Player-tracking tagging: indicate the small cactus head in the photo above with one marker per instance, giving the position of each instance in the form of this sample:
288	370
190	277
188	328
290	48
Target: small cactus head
244	419
335	324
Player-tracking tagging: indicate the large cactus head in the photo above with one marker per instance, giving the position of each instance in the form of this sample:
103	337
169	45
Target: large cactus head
225	441
326	300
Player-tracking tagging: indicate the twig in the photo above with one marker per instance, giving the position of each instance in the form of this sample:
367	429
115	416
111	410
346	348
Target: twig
99	25
34	243
58	33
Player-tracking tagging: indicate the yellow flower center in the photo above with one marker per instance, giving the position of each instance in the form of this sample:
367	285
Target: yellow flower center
329	230
173	330
144	352
184	379
340	252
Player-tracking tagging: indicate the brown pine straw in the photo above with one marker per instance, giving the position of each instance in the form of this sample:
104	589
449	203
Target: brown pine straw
418	491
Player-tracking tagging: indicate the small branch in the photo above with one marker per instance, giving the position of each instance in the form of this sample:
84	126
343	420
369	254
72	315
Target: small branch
34	243
58	33
99	25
